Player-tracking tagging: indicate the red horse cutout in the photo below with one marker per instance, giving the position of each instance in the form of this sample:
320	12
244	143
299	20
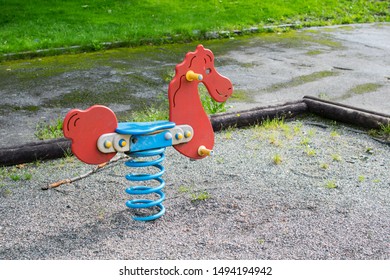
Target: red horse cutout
84	127
185	106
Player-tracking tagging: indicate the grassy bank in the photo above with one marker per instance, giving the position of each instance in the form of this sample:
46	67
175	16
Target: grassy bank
32	25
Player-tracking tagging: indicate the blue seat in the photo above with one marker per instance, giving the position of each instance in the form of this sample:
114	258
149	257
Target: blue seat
140	128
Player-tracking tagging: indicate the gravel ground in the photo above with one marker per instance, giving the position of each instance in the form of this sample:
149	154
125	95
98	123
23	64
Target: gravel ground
328	198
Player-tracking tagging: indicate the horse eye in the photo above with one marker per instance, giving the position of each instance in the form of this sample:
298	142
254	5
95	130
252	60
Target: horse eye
208	71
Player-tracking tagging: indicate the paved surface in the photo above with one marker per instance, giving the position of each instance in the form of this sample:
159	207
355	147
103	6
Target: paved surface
348	64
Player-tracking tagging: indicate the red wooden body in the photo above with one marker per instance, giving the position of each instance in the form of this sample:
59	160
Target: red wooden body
185	106
84	127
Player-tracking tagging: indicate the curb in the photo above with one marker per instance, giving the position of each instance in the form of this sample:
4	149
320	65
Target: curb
57	148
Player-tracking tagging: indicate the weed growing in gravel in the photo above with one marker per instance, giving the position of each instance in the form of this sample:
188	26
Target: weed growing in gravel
324	165
101	214
3	171
310	152
334	134
228	133
209	104
311	132
361	178
297	128
330	185
200	197
336	157
6	193
274	140
261	241
52	130
219	160
277	159
382	132
183	189
16	175
275	129
273	124
305	141
195	196
385	129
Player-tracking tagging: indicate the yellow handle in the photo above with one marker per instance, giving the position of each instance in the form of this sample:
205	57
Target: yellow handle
203	151
191	76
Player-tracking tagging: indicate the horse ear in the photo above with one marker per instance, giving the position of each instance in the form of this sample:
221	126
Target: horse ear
202	50
200	47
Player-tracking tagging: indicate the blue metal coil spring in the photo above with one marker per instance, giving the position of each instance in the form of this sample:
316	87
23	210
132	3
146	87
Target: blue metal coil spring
145	190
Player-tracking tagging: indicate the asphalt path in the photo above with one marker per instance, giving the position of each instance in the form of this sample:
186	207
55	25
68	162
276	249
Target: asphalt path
347	64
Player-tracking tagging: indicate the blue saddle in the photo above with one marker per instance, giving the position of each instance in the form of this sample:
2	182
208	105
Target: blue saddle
140	128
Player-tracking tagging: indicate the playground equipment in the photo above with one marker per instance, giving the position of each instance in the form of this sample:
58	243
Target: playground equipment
97	136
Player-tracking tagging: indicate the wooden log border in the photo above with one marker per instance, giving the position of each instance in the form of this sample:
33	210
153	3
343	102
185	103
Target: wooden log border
346	114
35	151
57	148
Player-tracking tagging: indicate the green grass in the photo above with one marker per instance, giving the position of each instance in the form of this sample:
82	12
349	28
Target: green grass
200	196
52	130
330	184
150	114
31	25
382	132
209	104
161	112
277	159
385	129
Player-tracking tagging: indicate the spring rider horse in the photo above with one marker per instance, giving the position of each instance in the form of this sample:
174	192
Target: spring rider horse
97	136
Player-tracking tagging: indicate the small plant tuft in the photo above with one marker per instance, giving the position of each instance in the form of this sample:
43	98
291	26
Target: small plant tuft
330	185
334	134
324	165
209	104
277	159
200	197
310	152
184	189
385	129
336	157
52	130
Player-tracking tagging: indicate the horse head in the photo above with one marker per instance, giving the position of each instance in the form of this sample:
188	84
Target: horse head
198	66
184	100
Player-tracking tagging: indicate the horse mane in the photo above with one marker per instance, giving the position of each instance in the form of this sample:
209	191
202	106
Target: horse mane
182	68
